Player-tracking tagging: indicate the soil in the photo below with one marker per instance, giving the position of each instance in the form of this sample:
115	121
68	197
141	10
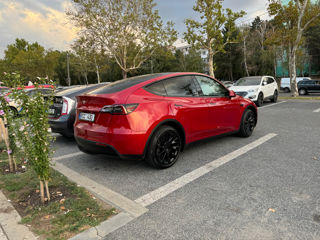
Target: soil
5	169
32	199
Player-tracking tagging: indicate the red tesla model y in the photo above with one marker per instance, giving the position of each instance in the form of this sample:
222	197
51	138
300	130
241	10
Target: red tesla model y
154	116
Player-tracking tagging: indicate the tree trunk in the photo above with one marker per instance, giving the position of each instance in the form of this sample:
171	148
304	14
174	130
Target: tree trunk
245	56
86	77
47	189
41	192
97	70
210	61
124	74
293	73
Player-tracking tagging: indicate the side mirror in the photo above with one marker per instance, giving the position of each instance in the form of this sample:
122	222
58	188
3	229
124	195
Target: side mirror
264	83
232	94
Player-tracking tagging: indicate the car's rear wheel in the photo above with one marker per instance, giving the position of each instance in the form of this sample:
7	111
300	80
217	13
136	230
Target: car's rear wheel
259	102
164	148
302	91
286	90
275	96
248	123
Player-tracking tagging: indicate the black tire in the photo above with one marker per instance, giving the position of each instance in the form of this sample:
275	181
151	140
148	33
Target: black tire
259	101
303	91
164	148
248	122
286	90
275	96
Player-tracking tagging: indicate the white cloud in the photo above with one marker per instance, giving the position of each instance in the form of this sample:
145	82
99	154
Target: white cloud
47	26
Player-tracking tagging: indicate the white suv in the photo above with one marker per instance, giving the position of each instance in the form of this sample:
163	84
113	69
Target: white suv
257	89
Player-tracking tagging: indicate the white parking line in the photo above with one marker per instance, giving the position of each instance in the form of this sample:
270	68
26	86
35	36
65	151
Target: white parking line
163	191
68	156
272	104
317	110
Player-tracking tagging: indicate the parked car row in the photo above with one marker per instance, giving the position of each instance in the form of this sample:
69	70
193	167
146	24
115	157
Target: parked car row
153	117
62	112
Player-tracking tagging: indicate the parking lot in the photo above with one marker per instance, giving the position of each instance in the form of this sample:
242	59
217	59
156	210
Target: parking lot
262	187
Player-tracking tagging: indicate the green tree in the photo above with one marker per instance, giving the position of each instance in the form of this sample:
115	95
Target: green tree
129	30
31	60
207	33
292	20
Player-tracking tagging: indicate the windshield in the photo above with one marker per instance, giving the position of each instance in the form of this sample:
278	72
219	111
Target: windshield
248	81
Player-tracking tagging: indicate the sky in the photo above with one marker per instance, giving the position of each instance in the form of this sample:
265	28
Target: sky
45	21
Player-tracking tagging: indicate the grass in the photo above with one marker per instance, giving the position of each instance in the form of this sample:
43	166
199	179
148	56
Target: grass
71	210
299	98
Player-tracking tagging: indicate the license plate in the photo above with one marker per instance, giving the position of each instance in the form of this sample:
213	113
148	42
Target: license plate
51	111
86	117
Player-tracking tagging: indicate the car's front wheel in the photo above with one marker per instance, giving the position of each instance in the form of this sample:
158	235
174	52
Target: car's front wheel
248	123
164	148
259	102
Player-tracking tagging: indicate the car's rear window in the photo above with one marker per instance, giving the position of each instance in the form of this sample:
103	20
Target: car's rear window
126	83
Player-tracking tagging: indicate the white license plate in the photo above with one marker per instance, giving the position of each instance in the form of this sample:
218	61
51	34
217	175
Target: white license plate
86	117
51	111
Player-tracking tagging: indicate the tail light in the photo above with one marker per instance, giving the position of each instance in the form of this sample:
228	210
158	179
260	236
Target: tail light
122	109
67	105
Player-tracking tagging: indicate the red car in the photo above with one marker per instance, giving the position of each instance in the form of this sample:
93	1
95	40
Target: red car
154	116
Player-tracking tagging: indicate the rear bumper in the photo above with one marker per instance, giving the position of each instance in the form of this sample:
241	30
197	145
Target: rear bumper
93	147
63	125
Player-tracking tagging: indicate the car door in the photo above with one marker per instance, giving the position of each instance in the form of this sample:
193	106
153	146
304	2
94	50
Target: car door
272	86
187	106
224	111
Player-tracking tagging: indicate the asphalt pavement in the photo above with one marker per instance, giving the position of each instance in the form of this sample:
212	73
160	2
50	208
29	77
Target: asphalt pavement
269	192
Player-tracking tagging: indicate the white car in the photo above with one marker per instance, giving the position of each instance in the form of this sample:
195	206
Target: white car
257	89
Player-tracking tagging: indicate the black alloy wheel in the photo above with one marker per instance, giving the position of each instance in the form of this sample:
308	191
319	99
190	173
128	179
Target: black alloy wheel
165	148
248	123
260	100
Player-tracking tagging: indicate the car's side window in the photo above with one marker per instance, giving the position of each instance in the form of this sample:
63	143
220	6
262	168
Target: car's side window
182	86
157	88
211	87
270	80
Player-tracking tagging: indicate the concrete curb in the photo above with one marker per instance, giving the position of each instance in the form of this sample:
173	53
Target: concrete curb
102	192
104	228
130	208
9	220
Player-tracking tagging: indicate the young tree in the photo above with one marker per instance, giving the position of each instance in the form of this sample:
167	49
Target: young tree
207	34
129	30
292	20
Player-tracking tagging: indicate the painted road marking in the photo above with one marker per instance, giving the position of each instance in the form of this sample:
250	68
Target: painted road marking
317	110
68	156
165	190
272	104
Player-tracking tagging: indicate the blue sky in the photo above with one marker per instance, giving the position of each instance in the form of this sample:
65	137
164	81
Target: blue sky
44	20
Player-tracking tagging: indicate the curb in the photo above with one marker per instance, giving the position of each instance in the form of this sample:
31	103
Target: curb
130	209
9	221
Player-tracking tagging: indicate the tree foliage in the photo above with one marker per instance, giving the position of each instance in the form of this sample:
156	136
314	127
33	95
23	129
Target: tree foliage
129	30
208	33
291	21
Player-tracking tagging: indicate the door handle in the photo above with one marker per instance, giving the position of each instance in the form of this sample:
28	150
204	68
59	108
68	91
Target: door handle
212	103
178	105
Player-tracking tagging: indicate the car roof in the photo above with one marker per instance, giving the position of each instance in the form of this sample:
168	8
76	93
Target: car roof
82	89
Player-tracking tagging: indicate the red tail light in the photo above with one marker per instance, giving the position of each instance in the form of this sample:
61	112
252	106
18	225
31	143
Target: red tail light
123	109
